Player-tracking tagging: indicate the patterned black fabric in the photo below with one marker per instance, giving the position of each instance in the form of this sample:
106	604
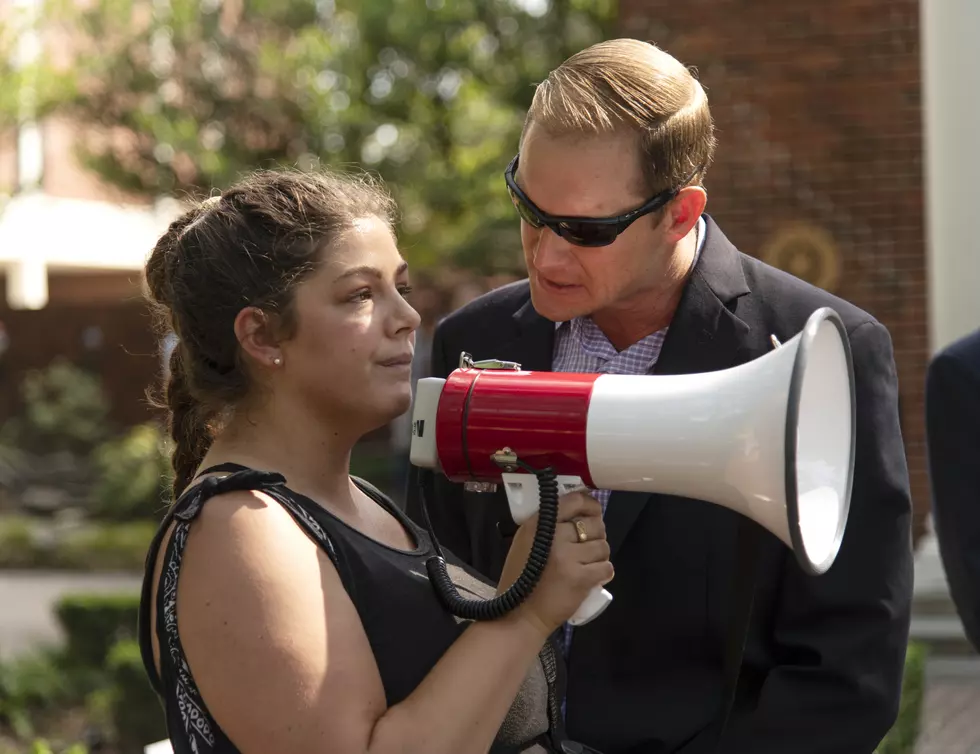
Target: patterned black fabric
406	625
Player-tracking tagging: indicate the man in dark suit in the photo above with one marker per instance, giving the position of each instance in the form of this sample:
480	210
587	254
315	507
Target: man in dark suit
621	282
953	435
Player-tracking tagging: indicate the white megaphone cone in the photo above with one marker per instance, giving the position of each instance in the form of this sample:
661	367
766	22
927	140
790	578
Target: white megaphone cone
772	439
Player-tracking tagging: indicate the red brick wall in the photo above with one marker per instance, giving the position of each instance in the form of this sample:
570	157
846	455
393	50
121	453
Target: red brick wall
818	109
126	360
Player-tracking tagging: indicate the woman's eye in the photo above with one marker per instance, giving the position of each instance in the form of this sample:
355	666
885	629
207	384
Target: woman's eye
405	290
361	296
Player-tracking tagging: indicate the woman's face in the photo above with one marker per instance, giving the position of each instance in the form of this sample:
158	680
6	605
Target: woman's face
350	356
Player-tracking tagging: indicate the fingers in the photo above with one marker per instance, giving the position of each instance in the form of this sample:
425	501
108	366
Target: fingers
599	573
578	505
592	552
593	549
593	527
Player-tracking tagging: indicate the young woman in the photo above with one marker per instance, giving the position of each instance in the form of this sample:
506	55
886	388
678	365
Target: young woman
286	605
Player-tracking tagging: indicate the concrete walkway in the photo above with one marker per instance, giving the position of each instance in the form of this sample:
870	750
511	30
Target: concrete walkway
951	713
27	600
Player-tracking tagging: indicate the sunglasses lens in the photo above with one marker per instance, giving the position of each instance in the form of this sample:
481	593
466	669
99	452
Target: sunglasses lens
589	233
580	233
527	214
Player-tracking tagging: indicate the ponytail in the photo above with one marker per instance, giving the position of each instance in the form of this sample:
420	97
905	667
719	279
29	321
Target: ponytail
188	425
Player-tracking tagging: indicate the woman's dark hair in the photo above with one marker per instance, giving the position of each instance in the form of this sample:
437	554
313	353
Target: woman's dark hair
251	246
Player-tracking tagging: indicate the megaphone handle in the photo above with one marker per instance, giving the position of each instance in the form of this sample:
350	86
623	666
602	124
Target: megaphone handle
524	500
591	607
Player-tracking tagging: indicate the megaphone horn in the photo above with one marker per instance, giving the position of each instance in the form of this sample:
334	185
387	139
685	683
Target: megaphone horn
773	439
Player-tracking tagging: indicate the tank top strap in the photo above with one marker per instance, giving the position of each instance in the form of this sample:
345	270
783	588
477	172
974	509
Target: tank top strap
271	483
189	504
229	466
383	500
182	513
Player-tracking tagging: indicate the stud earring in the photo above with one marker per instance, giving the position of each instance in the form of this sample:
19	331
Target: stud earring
277	361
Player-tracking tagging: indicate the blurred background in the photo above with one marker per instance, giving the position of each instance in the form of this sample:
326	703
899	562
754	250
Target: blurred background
848	150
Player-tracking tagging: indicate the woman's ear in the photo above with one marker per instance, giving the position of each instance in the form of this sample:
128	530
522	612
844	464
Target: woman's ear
257	334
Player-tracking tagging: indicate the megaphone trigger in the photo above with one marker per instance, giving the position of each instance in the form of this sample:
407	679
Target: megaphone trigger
569	484
522	493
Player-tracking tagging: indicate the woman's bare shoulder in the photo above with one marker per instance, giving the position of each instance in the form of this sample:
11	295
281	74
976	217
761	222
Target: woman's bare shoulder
269	632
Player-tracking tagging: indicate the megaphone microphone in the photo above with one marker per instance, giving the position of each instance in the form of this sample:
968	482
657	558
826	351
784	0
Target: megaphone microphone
772	439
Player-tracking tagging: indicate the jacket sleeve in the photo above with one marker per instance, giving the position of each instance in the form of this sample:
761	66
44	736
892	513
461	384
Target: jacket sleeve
840	637
953	431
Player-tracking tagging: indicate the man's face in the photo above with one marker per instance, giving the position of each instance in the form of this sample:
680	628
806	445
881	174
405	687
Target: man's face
590	177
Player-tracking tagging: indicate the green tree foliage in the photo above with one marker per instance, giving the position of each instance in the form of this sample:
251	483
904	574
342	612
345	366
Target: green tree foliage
29	88
29	84
8	75
430	94
65	409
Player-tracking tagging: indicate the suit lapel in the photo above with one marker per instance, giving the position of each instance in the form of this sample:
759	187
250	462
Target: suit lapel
704	336
533	341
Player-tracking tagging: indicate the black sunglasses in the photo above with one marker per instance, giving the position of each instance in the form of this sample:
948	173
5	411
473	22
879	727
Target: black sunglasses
581	231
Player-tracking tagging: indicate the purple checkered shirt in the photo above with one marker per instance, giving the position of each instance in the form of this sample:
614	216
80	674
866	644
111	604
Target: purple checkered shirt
580	346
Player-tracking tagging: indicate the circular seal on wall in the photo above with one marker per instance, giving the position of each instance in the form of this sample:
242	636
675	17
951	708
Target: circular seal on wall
806	251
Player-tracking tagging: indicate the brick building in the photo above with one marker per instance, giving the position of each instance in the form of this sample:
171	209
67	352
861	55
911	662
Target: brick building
84	243
819	169
71	247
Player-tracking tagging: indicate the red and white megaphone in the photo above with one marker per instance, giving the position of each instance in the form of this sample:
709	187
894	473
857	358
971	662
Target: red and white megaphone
772	439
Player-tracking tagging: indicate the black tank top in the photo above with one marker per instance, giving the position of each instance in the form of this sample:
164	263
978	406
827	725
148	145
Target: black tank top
406	624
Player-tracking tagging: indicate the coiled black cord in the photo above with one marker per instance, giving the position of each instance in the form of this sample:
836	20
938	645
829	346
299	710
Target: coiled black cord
502	604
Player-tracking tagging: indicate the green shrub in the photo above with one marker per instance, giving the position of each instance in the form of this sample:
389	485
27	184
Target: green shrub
29	686
43	746
65	408
902	737
94	623
91	547
98	674
105	547
137	714
133	475
18	548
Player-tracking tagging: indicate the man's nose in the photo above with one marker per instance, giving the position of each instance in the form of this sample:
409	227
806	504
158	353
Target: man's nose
552	252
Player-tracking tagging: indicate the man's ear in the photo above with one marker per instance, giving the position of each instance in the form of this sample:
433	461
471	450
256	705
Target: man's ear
257	333
683	212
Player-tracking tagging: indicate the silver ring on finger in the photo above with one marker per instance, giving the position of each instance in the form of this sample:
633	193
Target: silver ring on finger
583	535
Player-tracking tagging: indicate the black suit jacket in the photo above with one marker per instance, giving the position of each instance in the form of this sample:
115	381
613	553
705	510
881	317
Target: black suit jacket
953	434
824	657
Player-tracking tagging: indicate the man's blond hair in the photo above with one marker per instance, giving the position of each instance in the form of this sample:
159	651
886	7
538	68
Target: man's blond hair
628	84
